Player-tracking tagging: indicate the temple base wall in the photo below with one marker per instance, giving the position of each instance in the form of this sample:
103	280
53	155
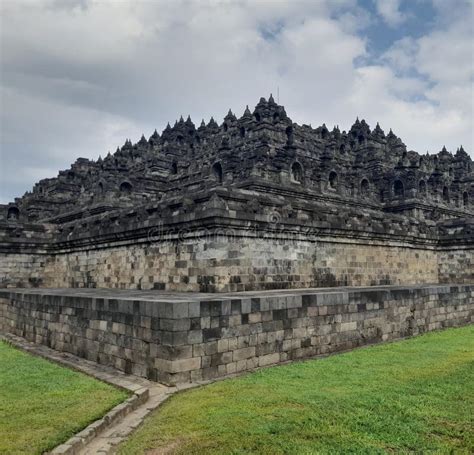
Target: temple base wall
22	269
237	264
189	337
456	265
231	263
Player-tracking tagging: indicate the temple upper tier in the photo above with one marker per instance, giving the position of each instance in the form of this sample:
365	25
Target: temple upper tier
264	151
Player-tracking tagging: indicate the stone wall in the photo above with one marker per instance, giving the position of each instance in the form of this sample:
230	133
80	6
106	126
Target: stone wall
225	264
21	269
456	265
181	338
219	243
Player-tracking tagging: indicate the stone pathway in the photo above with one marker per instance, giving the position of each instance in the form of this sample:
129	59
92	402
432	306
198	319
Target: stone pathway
107	441
104	435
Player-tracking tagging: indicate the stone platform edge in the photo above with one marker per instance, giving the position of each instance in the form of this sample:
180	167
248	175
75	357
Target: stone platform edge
176	338
405	311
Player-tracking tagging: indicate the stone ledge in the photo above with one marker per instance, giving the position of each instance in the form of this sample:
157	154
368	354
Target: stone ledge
176	338
304	324
170	296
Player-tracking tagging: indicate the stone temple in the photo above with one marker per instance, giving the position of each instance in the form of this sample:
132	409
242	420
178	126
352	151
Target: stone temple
257	203
254	203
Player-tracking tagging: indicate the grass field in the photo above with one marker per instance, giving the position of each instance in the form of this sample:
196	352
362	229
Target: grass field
43	404
414	396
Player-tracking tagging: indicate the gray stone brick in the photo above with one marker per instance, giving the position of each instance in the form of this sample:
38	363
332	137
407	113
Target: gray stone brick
243	353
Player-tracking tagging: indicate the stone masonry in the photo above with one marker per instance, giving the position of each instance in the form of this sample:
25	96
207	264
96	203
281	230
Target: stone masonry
209	251
178	338
255	203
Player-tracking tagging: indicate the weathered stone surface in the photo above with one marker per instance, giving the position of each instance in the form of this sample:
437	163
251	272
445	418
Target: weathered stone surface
255	203
280	325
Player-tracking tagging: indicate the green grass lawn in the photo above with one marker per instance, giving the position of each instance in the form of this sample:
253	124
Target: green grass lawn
43	404
414	396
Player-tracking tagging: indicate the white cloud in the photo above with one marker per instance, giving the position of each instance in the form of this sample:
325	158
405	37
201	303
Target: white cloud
401	55
444	61
41	136
79	78
390	12
421	124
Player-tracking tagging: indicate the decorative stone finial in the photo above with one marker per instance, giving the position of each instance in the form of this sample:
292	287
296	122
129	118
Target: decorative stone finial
230	116
378	131
212	123
189	122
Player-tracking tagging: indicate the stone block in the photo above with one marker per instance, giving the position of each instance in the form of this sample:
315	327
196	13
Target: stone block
240	365
236	306
269	359
210	373
231	368
178	366
206	361
246	305
194	309
198	350
211	334
312	311
221	358
348	326
175	325
180	310
255	317
206	322
195	336
243	353
235	320
210	348
222	345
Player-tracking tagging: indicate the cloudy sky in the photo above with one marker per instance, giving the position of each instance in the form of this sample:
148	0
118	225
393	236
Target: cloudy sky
80	76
